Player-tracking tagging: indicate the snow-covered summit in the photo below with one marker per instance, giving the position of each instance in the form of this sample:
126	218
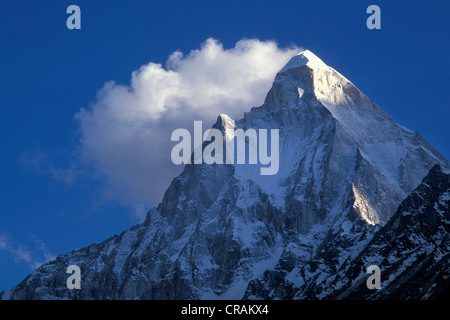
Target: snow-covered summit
224	122
304	58
332	129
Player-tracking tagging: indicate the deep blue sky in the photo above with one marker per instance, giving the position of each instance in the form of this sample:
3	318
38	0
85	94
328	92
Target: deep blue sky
49	72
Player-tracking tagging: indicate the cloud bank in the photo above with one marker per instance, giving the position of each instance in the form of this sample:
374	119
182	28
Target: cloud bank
125	134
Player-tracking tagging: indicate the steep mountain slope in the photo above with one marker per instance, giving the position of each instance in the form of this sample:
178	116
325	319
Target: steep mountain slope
412	251
225	231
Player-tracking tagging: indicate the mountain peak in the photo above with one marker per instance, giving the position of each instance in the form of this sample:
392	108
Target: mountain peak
224	122
302	59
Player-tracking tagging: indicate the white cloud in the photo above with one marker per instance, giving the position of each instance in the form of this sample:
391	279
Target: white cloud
45	251
126	133
21	253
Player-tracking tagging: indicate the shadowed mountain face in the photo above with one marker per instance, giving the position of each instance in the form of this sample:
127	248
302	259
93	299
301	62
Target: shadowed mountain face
412	251
307	232
413	248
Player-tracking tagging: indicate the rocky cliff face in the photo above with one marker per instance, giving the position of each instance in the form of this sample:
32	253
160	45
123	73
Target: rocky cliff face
227	232
412	251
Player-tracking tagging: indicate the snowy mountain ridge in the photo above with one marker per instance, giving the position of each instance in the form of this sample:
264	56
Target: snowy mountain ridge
227	232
